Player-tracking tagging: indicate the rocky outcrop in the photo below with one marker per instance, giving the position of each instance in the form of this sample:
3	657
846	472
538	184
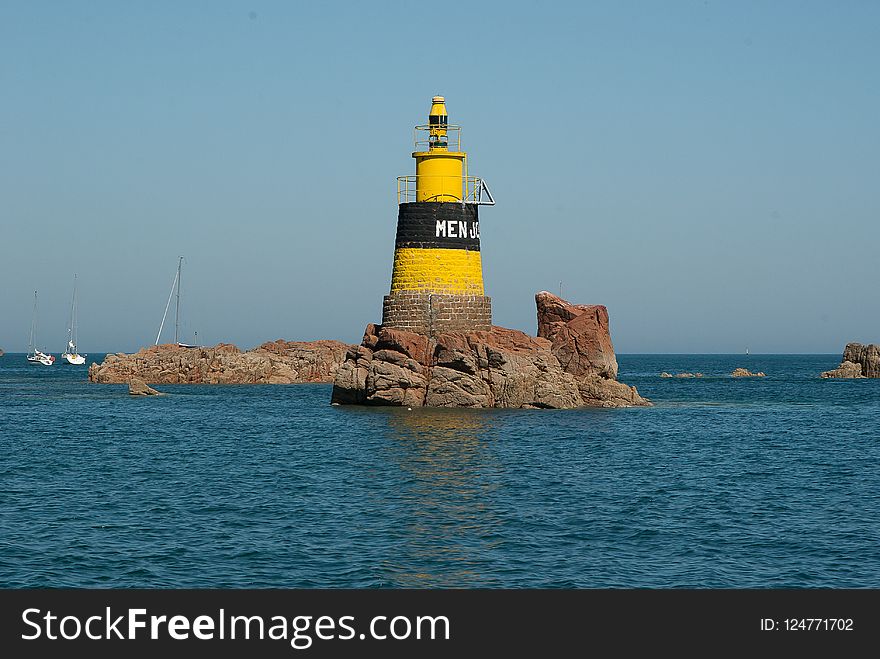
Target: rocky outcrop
847	369
579	336
277	362
746	373
865	357
137	387
496	368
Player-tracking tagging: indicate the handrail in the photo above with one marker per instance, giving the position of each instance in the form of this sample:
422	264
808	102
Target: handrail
473	190
453	138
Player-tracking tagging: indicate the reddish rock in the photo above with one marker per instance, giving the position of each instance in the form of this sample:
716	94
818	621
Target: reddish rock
859	360
412	345
500	368
275	362
847	369
579	334
868	356
497	368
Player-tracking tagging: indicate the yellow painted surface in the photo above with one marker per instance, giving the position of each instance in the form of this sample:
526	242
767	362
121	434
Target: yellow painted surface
438	106
452	271
439	175
438	109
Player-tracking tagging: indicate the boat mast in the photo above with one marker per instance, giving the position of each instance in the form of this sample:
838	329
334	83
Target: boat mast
71	330
177	311
168	304
73	324
32	345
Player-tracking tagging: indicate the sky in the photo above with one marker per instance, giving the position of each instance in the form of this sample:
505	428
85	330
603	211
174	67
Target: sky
706	170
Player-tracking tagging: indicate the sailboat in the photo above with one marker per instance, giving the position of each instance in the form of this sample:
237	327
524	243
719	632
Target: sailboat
35	356
174	284
70	355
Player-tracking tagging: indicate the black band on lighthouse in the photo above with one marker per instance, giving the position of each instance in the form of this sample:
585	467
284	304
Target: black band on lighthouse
438	225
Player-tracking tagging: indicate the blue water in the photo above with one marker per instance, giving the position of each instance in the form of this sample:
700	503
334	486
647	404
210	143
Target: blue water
724	483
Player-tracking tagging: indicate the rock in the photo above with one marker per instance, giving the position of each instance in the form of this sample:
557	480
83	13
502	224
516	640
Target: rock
497	368
868	356
275	362
603	392
684	375
746	373
500	368
137	387
580	339
847	369
579	335
664	374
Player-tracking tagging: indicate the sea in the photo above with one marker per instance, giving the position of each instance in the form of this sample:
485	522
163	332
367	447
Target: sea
767	482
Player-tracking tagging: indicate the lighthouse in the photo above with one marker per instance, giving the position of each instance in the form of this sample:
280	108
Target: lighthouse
437	276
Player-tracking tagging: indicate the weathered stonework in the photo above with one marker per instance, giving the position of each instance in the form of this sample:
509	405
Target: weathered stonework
434	313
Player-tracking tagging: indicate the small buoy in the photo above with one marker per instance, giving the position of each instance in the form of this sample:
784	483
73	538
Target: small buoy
409	408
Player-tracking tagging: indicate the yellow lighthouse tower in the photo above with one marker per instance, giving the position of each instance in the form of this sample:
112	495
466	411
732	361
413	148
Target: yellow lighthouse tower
437	279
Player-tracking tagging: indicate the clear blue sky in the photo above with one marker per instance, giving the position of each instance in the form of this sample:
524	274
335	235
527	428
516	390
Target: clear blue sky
707	170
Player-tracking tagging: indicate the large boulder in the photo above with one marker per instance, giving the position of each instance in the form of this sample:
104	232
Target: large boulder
579	335
276	362
866	355
499	368
570	365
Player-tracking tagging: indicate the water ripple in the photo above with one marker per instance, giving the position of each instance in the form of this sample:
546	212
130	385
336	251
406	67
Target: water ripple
725	483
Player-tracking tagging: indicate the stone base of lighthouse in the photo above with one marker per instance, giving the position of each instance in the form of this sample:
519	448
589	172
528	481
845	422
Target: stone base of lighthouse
435	313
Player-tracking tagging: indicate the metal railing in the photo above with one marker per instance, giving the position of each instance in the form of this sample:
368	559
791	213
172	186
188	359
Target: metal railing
472	189
453	138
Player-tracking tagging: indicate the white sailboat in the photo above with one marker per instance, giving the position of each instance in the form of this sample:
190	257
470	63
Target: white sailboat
174	284
70	354
35	356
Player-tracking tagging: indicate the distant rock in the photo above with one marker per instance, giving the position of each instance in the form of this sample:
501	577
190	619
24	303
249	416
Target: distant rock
746	373
847	369
866	357
137	387
570	364
276	362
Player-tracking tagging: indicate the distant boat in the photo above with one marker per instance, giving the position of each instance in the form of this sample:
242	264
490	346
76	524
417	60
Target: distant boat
747	351
174	284
70	355
35	356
